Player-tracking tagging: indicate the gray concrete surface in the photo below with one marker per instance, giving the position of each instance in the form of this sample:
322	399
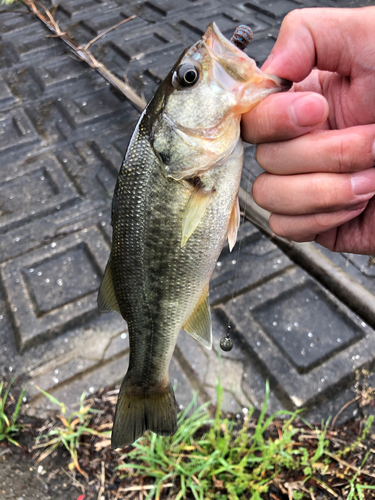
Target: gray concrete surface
63	133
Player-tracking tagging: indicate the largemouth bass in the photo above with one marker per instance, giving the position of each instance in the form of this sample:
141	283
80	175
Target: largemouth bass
175	203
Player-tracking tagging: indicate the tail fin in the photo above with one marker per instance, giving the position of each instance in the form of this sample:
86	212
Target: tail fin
136	412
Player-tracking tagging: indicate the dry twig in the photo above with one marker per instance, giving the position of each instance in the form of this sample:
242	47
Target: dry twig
85	55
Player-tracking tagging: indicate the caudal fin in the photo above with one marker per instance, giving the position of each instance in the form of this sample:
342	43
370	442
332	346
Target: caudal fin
137	412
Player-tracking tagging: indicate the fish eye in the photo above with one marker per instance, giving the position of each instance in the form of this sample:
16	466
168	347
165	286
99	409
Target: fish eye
187	75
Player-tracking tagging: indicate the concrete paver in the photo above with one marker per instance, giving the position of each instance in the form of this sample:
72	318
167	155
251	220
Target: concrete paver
63	133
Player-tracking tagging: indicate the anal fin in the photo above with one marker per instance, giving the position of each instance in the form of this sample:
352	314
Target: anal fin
234	224
107	300
199	323
194	211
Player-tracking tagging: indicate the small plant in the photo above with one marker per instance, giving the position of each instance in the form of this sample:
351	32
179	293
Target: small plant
68	434
9	425
211	458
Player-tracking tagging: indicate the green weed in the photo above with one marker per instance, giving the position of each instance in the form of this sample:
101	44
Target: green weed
68	434
9	425
212	459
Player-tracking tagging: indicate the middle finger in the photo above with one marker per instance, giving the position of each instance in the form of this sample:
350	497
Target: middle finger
313	193
346	150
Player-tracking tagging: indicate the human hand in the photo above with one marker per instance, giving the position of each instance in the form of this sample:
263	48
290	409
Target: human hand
316	142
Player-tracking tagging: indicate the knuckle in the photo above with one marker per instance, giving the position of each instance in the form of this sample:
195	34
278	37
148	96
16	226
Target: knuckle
325	197
264	155
260	189
321	222
344	156
292	19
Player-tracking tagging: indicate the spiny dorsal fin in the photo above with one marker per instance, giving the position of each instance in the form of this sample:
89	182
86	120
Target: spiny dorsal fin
234	224
194	211
106	298
199	324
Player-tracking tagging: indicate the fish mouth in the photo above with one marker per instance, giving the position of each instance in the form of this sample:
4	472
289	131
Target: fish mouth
281	84
274	83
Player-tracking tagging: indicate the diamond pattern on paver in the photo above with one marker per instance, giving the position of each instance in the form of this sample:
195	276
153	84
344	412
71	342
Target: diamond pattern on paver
227	22
290	385
92	108
78	9
306	325
64	278
40	187
139	46
275	8
54	288
259	49
253	260
25	83
8	55
364	263
33	43
6	96
16	131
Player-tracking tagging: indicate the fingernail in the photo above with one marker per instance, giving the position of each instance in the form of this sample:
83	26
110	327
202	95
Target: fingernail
308	111
363	182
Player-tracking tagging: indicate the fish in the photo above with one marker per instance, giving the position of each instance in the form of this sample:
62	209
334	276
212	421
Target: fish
174	204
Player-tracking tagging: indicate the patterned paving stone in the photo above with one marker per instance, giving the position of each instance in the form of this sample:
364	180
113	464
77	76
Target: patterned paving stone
33	191
63	133
294	365
51	288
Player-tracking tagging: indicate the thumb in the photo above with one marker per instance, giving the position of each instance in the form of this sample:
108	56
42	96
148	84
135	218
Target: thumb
329	39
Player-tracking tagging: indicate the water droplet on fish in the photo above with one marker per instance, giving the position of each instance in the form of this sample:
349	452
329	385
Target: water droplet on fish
310	334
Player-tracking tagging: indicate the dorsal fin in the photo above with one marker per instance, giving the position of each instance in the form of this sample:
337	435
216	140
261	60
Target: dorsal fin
194	211
234	224
199	323
107	298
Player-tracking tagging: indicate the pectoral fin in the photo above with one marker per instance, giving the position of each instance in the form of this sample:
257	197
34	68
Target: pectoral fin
199	324
194	211
106	298
234	224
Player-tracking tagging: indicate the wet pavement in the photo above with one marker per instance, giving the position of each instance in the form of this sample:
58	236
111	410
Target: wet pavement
302	316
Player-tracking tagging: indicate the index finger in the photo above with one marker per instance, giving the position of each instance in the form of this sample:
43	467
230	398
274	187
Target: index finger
328	38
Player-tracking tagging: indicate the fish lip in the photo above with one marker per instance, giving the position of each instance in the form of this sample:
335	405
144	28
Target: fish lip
214	32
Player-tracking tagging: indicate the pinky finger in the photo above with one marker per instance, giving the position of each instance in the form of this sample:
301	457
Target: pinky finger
302	228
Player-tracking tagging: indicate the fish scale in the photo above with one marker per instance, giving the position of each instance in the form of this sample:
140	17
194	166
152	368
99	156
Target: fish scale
173	207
